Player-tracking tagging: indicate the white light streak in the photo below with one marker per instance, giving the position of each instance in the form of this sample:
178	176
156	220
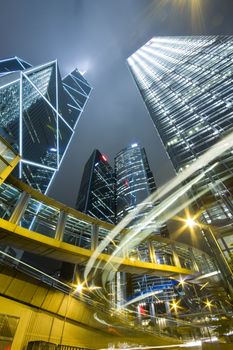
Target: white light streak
141	297
214	152
57	120
20	123
25	161
140	232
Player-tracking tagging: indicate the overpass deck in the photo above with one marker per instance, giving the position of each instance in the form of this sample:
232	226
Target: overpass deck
36	223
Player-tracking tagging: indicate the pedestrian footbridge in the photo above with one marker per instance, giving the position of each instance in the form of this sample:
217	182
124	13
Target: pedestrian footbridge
36	223
37	308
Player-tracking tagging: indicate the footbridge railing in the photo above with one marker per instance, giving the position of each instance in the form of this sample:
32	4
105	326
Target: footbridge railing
34	222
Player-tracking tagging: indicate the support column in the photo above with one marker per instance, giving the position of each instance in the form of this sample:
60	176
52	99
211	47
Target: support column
94	236
152	313
175	256
20	208
152	254
61	226
167	307
15	218
194	263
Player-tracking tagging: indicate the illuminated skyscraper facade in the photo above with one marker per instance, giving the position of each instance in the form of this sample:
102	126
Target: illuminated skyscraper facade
134	184
110	195
187	86
134	179
97	191
38	115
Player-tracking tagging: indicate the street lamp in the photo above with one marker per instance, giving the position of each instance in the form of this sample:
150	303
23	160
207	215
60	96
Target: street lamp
208	304
174	305
79	288
181	282
190	222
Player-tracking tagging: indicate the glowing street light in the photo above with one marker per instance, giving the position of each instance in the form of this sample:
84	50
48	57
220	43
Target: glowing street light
174	305
208	304
181	282
79	288
190	222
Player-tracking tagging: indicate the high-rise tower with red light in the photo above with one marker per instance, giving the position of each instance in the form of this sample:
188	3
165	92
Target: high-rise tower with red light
134	179
97	191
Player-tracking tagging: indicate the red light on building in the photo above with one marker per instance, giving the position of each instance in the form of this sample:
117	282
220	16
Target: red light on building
126	183
104	157
142	311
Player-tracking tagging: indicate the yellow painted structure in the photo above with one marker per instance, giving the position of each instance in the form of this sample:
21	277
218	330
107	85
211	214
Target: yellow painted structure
49	315
8	169
37	243
8	159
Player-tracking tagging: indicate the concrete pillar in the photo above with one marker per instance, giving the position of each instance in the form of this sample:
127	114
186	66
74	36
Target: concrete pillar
168	309
20	208
194	263
61	226
152	252
94	236
175	256
152	313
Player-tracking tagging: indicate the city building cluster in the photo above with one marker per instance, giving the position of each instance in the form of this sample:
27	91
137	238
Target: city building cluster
72	277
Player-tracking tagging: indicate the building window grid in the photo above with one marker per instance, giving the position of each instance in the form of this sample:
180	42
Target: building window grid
214	65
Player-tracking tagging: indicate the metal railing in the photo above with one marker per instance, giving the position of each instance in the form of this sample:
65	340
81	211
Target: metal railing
42	345
28	208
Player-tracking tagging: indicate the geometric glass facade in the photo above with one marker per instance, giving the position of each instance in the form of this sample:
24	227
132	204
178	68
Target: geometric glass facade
134	180
76	90
134	183
38	116
97	191
187	86
109	195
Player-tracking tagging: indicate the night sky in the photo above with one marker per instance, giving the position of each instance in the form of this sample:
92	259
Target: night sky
98	36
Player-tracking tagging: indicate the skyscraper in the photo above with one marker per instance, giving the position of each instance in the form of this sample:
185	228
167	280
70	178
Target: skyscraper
134	184
110	196
134	179
186	84
97	191
39	113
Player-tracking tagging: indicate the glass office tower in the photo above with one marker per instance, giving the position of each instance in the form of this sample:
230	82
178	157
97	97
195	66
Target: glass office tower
97	191
134	179
38	115
134	183
187	86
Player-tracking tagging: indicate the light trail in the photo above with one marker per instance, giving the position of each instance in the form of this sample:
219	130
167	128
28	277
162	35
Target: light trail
200	164
129	240
141	297
196	343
